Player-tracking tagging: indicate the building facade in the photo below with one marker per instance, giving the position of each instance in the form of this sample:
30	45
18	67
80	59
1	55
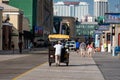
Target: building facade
39	14
100	7
86	29
64	25
44	18
71	9
113	39
11	26
27	8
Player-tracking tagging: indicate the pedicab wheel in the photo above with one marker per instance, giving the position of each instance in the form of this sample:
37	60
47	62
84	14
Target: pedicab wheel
67	64
50	63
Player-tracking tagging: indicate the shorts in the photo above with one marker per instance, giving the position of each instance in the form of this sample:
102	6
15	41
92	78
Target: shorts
89	49
82	50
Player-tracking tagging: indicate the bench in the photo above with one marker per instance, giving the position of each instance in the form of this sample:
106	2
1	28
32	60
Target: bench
117	50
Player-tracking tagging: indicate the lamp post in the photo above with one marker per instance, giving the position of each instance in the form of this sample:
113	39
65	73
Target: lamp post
113	40
60	31
1	11
103	41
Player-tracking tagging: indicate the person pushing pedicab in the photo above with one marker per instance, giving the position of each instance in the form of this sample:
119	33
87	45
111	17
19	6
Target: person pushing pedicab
58	48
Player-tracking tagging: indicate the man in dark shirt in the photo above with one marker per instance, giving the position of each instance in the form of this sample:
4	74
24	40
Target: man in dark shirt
20	46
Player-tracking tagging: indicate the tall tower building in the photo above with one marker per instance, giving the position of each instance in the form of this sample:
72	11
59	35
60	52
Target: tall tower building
81	10
100	7
61	10
72	9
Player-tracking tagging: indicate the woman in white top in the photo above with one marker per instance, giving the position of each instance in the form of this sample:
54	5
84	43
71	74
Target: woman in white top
83	49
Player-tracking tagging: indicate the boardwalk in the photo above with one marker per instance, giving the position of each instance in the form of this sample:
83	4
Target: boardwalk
80	68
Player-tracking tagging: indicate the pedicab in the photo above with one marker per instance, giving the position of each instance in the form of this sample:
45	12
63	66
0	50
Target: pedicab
64	53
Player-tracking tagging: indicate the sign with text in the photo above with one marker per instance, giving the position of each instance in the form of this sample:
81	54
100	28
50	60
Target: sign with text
112	18
98	32
104	27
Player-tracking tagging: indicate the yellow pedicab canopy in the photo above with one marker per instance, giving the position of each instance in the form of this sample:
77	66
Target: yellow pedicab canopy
58	36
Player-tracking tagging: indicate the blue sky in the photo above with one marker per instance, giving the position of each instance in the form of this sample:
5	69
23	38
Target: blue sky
112	4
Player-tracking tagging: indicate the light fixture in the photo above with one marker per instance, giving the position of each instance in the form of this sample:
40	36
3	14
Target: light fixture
113	30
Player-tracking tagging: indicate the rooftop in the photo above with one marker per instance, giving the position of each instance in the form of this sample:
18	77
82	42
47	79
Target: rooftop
8	8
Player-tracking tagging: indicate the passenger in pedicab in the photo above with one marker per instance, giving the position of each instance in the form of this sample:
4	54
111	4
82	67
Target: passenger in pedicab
58	48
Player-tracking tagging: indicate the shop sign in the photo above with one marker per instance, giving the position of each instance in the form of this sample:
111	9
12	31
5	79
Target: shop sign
38	30
112	18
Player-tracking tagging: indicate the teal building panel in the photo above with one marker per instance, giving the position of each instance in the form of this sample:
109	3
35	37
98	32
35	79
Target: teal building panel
27	6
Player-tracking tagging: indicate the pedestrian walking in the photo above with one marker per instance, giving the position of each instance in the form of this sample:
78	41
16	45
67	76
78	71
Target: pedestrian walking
77	46
82	49
58	48
105	47
5	46
30	45
90	49
12	46
20	46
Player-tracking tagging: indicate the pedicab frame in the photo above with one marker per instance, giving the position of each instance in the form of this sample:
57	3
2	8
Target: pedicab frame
64	55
